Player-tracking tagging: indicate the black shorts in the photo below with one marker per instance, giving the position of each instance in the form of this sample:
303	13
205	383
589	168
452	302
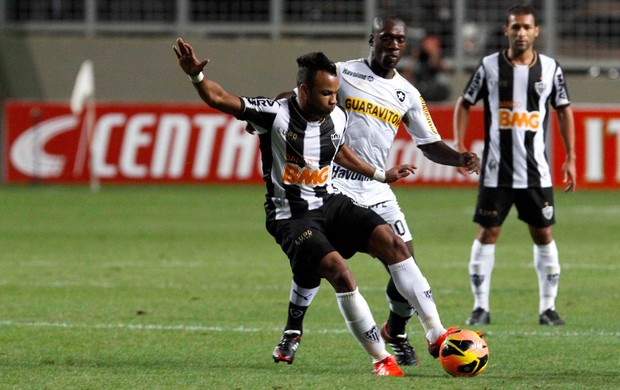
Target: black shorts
341	224
534	205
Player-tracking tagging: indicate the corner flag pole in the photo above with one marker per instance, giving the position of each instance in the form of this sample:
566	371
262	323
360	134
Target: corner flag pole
83	98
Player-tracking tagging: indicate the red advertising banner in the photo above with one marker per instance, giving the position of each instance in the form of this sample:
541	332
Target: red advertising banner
598	148
191	143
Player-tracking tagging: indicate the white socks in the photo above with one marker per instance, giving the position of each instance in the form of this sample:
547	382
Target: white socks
302	296
547	265
481	262
415	288
361	324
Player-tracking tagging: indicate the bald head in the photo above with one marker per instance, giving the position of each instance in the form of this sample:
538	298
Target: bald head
380	22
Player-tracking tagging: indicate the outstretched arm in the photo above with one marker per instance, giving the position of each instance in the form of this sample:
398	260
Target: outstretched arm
567	131
350	160
441	153
210	92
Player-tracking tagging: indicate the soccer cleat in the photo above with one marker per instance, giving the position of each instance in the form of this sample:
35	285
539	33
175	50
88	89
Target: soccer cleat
285	350
387	367
550	317
434	348
405	355
479	317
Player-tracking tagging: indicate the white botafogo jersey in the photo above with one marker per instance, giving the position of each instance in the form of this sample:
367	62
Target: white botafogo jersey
376	107
516	100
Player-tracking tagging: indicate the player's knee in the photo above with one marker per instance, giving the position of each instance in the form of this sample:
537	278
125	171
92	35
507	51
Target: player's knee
488	235
335	270
387	246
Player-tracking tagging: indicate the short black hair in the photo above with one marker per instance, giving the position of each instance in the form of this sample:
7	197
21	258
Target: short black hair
379	22
309	64
521	9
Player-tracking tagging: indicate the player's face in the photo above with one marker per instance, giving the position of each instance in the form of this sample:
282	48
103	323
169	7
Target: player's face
521	31
322	95
388	45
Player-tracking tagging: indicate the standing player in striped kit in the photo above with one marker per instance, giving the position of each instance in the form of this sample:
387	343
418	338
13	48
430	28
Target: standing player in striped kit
517	85
300	138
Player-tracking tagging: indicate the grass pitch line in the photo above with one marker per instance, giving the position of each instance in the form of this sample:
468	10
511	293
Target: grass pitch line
243	329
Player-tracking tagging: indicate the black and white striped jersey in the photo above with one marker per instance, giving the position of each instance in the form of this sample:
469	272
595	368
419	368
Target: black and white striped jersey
296	154
516	106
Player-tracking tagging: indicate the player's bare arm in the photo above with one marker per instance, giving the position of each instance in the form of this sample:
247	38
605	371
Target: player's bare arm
441	153
461	121
210	92
567	131
347	158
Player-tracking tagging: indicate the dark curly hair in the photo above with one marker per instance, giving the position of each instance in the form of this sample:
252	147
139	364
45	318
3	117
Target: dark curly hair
309	64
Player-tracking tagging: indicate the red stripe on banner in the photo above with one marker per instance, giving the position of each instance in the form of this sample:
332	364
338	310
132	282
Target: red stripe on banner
192	143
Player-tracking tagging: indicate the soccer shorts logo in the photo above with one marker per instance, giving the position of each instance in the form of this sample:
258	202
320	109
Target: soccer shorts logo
547	212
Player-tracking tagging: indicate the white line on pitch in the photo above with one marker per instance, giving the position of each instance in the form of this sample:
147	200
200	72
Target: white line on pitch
243	329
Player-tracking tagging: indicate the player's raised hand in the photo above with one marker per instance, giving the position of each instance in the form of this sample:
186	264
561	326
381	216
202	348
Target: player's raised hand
187	59
398	172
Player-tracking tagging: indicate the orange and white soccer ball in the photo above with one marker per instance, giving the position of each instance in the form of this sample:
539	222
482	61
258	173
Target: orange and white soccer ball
464	353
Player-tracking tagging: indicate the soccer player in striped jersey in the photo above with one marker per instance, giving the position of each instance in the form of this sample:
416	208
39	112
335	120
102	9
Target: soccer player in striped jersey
517	85
300	138
378	99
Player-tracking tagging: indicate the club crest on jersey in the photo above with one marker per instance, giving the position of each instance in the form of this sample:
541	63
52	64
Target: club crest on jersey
540	87
547	211
400	95
335	139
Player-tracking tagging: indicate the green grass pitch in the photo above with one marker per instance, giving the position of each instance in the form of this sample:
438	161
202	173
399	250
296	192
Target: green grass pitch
181	287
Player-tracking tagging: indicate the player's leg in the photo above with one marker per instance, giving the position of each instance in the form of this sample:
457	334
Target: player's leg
547	265
356	313
536	208
410	282
394	330
492	207
300	299
481	263
311	253
360	226
303	291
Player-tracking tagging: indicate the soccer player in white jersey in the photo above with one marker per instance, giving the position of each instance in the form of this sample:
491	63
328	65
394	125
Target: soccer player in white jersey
517	85
378	99
300	138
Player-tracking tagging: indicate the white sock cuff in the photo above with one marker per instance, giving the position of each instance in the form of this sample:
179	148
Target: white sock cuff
301	296
483	249
549	249
403	265
348	296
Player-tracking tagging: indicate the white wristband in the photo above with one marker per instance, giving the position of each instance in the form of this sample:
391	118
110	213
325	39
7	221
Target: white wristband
379	175
198	78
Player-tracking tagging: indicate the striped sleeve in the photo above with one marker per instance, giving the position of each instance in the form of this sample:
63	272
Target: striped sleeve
559	94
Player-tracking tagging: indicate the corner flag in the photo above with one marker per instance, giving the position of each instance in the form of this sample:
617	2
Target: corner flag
83	97
84	87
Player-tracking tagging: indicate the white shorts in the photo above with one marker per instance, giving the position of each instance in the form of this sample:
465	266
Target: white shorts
390	211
